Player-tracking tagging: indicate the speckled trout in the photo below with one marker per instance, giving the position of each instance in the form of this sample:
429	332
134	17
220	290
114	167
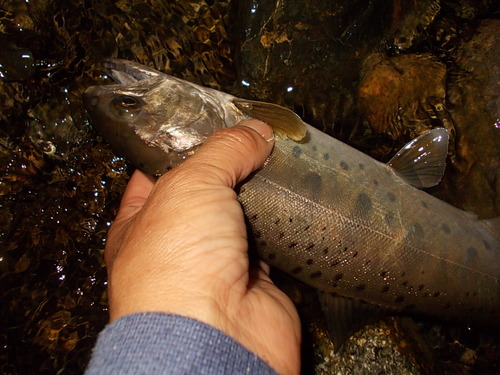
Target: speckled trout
319	210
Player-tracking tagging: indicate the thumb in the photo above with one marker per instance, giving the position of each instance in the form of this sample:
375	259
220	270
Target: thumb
230	155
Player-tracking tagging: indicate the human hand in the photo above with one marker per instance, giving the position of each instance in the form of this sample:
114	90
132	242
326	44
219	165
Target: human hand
180	246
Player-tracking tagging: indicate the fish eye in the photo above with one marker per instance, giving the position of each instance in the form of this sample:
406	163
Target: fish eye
126	106
129	101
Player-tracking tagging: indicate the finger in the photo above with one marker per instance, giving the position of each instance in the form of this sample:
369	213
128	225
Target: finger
265	267
230	155
138	189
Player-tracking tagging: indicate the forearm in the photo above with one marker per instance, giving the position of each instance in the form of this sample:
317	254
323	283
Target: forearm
155	343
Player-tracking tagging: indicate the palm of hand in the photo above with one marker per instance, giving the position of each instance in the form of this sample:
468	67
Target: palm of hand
180	247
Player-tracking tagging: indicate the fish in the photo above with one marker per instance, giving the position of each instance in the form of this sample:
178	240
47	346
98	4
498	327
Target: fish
319	210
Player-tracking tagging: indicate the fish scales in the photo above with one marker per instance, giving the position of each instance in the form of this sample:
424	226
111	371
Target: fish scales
344	223
327	214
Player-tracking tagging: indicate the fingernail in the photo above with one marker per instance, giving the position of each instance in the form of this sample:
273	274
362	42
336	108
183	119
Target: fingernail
260	127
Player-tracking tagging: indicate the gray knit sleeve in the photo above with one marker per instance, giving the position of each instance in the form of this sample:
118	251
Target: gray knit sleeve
155	343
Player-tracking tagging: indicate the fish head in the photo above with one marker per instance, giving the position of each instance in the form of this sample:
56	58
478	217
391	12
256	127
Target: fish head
154	120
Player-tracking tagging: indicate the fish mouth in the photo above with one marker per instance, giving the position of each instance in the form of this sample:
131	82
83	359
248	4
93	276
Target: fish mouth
126	72
91	98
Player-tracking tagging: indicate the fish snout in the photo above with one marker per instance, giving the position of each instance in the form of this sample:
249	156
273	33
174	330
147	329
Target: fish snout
91	98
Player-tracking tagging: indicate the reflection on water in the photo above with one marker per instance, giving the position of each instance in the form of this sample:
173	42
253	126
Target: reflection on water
60	184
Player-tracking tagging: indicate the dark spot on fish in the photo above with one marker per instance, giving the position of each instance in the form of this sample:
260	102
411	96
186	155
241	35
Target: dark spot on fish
263	243
309	262
436	294
243	189
315	148
402	274
281	235
422	272
297	151
293	244
367	262
253	217
420	287
424	205
315	275
339	276
310	247
446	306
354	254
271	256
290	220
389	218
335	263
257	234
334	285
446	229
326	156
345	249
391	196
409	307
375	182
404	283
307	227
277	221
385	289
296	270
487	245
474	294
361	166
363	203
344	165
361	287
323	229
383	273
399	299
325	251
471	255
417	229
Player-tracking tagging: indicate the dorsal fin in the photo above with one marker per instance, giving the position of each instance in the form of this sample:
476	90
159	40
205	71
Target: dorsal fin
284	122
422	161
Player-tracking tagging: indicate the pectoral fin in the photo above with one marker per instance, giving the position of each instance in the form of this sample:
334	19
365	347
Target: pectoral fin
284	122
422	161
345	316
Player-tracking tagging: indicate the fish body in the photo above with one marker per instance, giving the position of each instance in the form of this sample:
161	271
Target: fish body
319	210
